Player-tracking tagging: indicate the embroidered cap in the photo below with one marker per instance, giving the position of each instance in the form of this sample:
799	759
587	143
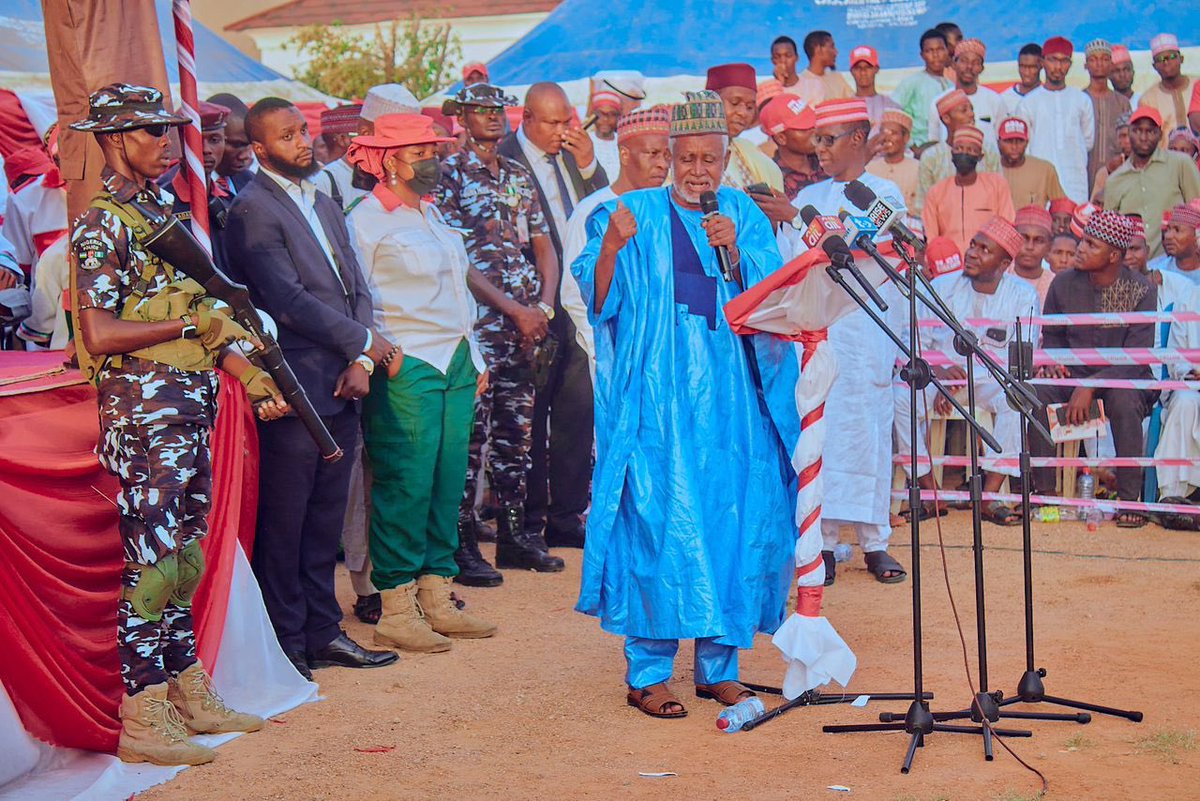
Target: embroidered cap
1004	234
700	113
1035	216
1111	228
655	120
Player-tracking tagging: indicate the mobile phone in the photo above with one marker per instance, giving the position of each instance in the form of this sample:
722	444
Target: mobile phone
589	121
758	189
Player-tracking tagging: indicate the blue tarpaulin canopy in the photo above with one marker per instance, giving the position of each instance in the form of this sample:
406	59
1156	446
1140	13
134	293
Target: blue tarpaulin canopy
686	37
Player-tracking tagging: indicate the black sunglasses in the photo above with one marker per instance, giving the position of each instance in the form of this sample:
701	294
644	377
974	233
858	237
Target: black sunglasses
158	130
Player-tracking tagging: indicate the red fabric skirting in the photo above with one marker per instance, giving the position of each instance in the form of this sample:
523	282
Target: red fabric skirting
61	554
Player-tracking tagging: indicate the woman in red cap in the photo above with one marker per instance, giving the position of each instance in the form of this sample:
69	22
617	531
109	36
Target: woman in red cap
417	419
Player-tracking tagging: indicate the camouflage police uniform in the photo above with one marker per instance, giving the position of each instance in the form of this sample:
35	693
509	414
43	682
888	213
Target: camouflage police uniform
154	424
500	215
157	405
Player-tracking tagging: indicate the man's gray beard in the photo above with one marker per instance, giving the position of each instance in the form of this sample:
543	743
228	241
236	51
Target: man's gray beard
685	197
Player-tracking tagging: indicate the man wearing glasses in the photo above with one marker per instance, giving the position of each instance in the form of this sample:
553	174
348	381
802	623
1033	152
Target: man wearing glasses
1171	94
494	199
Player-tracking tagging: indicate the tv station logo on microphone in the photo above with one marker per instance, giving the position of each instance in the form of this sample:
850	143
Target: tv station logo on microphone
820	228
879	214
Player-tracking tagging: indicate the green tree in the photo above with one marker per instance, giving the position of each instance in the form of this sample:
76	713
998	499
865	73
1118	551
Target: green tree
410	52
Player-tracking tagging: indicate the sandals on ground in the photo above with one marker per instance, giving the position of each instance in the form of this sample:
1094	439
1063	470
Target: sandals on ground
1129	519
881	563
369	608
725	692
1001	514
655	700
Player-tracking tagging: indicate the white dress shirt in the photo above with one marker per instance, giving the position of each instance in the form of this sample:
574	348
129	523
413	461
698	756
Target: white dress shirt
574	241
543	171
416	268
304	195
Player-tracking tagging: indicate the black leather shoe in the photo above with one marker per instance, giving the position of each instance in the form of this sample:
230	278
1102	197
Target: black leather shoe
517	548
565	538
345	652
300	663
473	569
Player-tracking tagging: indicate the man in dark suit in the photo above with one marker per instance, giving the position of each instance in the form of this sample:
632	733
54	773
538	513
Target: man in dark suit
565	171
289	243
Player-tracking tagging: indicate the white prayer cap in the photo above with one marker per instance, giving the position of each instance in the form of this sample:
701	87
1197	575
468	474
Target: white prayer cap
627	83
389	98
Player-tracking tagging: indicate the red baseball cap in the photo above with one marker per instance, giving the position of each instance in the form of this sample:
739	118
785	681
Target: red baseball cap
942	256
864	53
1013	128
787	112
1146	113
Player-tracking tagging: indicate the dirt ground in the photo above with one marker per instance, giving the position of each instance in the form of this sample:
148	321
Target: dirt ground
539	711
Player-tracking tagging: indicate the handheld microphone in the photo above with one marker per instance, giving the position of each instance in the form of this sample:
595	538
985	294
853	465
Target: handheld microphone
882	214
708	205
827	233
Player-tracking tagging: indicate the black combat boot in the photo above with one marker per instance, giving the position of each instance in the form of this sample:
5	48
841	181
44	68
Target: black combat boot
473	569
517	548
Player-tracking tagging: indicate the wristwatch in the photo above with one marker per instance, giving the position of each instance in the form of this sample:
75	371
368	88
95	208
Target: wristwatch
366	363
547	309
189	328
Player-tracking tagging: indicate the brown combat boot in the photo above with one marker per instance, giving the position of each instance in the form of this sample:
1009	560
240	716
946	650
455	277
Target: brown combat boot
152	731
403	626
444	616
203	711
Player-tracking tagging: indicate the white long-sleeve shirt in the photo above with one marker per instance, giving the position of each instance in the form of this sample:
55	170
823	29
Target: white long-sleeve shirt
1062	129
416	267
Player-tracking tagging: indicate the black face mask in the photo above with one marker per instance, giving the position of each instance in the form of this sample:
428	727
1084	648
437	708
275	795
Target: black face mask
427	173
964	163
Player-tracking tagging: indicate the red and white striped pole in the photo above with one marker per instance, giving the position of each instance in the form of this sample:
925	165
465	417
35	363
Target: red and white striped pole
193	139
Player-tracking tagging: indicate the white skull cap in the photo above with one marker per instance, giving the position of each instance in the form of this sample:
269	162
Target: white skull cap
389	98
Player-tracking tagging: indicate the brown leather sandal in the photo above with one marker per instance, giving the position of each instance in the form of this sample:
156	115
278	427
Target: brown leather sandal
725	692
654	700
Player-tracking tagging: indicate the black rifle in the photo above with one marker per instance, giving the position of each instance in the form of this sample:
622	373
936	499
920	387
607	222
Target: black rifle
172	242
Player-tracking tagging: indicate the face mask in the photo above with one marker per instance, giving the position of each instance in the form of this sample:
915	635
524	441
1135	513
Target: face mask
427	173
964	162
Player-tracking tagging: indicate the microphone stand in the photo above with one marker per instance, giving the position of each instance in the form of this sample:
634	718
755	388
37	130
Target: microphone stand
918	722
1030	689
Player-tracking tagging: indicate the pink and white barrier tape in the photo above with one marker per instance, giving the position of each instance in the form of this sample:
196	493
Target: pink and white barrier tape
1050	461
1091	357
1095	383
1051	500
1099	318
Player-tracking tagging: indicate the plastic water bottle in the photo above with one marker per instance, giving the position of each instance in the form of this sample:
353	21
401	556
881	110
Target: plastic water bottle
842	552
734	717
1086	490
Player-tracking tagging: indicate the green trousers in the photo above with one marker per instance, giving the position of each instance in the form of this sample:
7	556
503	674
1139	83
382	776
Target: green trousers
417	427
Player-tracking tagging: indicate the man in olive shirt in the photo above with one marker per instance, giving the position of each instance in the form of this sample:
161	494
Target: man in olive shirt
1032	181
1153	180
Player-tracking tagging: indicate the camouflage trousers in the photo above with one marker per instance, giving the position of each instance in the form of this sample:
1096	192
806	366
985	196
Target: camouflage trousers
166	491
503	423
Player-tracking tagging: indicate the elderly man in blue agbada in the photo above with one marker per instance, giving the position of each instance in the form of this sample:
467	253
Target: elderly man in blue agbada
692	530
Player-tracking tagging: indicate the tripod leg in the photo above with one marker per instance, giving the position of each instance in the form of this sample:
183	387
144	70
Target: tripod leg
916	741
1136	717
988	753
1081	717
